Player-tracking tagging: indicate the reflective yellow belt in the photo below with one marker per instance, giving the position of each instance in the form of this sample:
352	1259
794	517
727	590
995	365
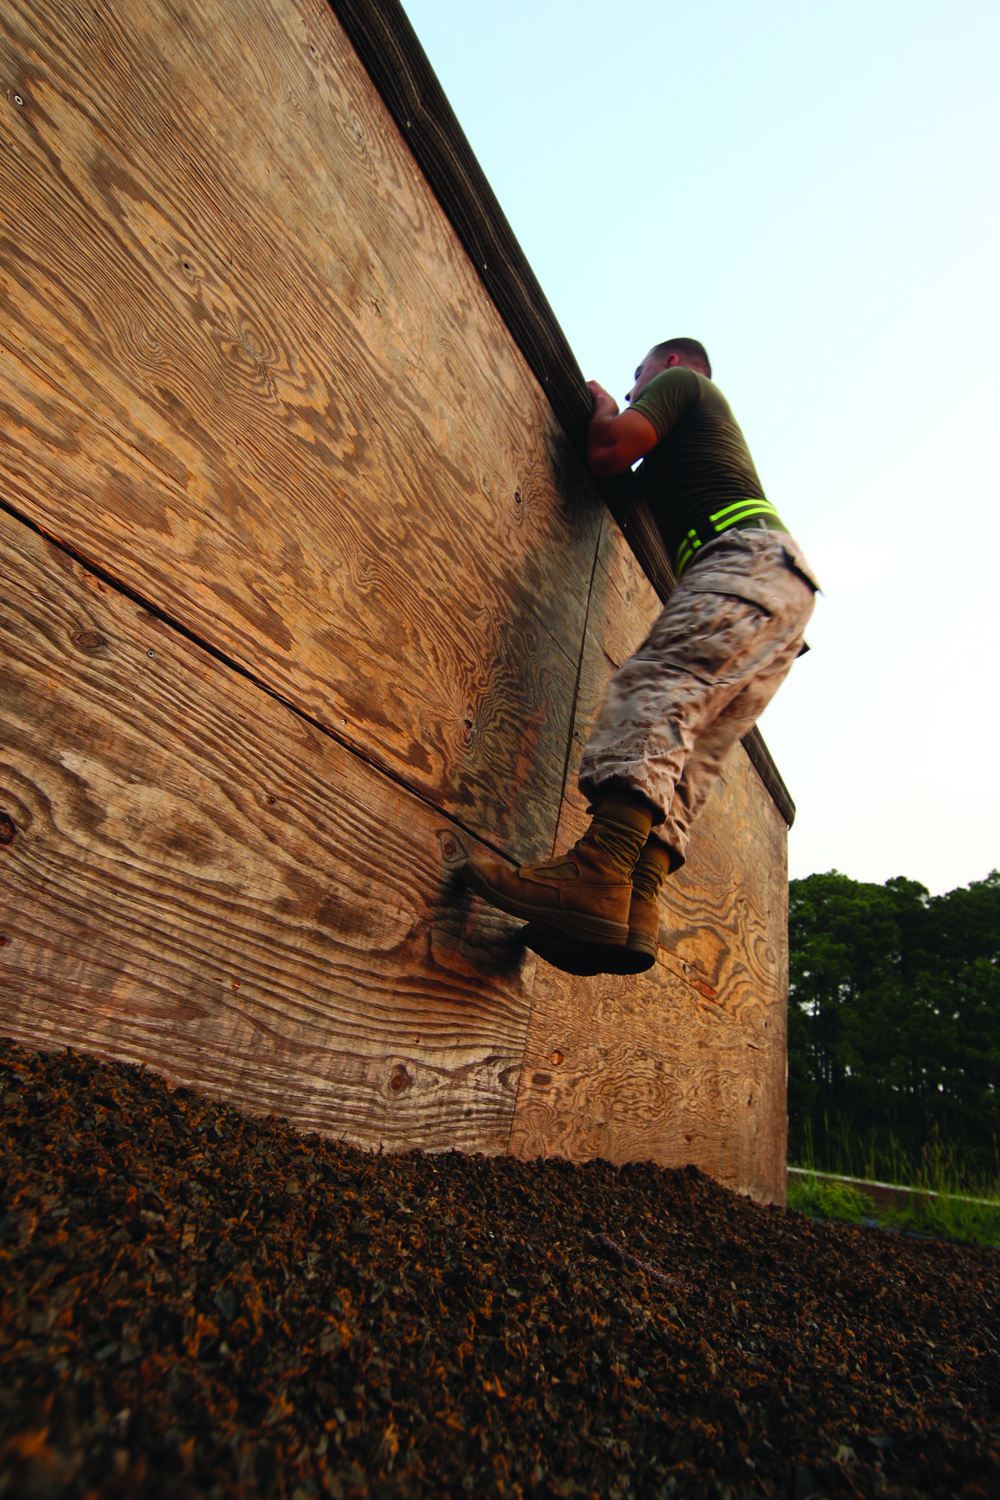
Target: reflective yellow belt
727	519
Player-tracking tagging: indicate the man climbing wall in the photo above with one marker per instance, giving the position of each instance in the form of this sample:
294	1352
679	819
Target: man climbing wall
710	665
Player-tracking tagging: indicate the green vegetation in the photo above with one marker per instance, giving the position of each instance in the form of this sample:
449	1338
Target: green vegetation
894	1031
894	1051
826	1198
948	1217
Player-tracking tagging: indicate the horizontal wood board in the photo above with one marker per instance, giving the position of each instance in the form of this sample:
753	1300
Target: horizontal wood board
192	876
687	1062
250	372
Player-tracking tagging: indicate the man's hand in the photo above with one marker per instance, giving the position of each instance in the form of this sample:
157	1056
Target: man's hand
603	400
614	441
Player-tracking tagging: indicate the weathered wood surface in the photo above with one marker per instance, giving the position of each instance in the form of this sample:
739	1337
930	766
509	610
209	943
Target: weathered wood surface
252	382
249	371
194	877
687	1062
388	46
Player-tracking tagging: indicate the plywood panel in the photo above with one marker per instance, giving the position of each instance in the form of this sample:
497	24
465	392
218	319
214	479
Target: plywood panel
685	1063
249	375
249	370
193	876
387	45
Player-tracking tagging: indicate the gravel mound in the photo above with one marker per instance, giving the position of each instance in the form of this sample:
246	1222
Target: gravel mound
196	1302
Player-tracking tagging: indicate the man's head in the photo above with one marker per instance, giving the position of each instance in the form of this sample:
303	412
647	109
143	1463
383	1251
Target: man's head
687	352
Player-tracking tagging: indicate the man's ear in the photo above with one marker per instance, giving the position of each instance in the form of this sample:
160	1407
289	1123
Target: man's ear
672	361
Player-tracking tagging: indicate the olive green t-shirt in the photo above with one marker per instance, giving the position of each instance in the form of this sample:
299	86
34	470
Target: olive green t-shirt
700	474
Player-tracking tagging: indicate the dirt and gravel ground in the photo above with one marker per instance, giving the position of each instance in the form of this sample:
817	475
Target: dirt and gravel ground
199	1303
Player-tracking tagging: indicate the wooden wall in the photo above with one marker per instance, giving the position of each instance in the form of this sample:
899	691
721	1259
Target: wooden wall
307	597
687	1062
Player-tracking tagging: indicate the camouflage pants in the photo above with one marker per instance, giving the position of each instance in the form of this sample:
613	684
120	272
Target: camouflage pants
708	668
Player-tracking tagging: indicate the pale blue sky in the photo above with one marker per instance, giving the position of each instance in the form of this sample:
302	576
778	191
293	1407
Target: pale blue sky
812	189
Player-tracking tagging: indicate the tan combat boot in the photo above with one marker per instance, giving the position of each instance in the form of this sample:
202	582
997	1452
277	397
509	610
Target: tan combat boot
651	870
639	950
583	894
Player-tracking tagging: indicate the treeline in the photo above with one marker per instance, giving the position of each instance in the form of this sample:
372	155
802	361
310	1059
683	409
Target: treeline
894	1024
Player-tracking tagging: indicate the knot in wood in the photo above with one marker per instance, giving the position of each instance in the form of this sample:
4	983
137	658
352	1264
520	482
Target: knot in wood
89	640
7	829
450	847
399	1079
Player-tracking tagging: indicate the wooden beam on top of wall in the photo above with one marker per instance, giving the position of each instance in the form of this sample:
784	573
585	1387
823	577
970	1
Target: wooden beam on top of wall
391	52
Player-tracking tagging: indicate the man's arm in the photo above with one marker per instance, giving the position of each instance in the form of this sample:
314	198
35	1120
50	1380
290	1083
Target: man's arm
615	441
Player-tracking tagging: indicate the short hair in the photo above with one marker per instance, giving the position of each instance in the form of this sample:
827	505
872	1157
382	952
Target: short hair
691	347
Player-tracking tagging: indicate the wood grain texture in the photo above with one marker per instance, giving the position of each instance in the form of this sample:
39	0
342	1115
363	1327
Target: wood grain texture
254	384
387	45
249	370
685	1063
199	880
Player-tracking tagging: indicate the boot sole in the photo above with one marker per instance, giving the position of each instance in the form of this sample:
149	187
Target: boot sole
596	931
587	959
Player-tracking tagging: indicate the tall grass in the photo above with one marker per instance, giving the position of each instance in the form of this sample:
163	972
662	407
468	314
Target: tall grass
947	1211
938	1167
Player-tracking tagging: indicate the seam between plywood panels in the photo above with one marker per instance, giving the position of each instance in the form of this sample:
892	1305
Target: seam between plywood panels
157	612
197	878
